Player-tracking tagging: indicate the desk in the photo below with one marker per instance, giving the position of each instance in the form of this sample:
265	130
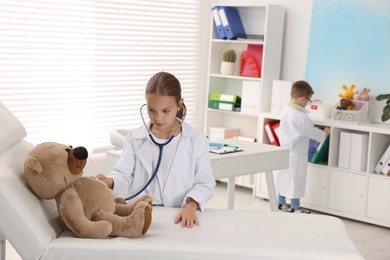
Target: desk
255	158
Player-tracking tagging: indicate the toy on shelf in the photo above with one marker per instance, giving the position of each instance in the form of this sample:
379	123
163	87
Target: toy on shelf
349	93
345	104
361	96
353	106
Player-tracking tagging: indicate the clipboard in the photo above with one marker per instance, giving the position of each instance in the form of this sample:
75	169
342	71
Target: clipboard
225	150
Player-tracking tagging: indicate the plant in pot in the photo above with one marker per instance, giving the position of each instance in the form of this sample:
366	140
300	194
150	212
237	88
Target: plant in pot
386	108
228	62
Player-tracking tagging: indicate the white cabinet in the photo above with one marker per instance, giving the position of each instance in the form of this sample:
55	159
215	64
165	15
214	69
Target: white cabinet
317	186
266	20
347	192
357	194
378	192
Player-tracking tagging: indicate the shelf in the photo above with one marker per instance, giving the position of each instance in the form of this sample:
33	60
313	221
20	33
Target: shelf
215	75
231	112
241	41
345	192
255	92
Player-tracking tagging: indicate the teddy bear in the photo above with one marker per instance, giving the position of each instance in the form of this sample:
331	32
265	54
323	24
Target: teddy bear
345	104
86	206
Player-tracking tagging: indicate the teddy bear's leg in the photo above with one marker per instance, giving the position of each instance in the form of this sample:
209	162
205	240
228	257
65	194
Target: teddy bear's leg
126	209
71	211
134	225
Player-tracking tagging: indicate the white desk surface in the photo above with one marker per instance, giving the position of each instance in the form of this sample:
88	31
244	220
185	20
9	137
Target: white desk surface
254	158
222	234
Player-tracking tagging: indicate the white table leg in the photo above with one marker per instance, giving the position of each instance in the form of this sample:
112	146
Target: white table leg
231	187
271	191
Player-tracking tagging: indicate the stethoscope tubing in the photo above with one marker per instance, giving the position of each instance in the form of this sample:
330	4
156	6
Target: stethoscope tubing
161	148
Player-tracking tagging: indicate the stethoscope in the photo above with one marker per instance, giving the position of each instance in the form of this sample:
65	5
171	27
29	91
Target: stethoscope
161	148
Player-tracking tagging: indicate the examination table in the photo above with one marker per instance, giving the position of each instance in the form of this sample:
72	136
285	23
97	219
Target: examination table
30	225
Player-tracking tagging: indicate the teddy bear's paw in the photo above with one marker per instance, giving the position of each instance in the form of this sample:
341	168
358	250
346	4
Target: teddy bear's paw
148	218
120	200
148	199
141	217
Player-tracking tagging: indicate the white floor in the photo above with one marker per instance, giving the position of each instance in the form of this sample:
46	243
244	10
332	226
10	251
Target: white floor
373	242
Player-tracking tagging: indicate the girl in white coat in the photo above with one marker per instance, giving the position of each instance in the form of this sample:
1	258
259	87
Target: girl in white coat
296	131
184	178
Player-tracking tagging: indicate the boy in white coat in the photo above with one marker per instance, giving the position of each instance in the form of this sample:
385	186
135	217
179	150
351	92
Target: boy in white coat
296	131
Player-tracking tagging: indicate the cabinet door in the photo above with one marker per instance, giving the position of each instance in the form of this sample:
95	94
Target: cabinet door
378	195
347	192
317	184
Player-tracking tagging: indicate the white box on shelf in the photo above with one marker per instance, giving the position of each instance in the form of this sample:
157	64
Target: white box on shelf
317	109
352	116
221	132
281	95
344	150
250	97
359	147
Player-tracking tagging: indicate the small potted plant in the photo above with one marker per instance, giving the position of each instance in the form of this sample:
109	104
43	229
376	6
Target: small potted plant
386	108
228	58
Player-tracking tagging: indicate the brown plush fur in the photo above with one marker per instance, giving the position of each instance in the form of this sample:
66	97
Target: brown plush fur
85	205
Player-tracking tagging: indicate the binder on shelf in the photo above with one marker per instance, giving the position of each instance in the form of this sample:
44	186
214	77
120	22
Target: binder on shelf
382	161
251	61
231	22
276	130
358	157
227	98
223	106
313	144
344	150
386	168
270	133
217	22
322	152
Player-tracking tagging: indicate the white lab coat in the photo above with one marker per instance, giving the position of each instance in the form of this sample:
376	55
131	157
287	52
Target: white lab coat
296	130
190	173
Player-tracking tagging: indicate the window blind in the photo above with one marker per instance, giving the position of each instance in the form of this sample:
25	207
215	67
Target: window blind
72	71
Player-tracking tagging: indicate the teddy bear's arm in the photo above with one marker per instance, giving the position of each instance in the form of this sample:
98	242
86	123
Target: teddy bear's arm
71	210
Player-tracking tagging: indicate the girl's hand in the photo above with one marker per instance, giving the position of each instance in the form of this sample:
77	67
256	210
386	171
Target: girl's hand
187	215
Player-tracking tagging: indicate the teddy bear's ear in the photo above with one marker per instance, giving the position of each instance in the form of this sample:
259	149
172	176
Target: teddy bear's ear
33	164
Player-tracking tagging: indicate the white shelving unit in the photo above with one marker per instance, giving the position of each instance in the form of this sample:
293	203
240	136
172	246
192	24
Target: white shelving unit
359	195
267	20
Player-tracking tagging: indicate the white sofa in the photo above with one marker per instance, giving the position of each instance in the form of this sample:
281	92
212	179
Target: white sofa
29	224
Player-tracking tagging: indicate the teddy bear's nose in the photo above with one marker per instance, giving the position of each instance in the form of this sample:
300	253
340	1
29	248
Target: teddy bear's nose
80	153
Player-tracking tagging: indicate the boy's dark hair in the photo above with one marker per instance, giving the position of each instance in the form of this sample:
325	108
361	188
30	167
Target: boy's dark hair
301	89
